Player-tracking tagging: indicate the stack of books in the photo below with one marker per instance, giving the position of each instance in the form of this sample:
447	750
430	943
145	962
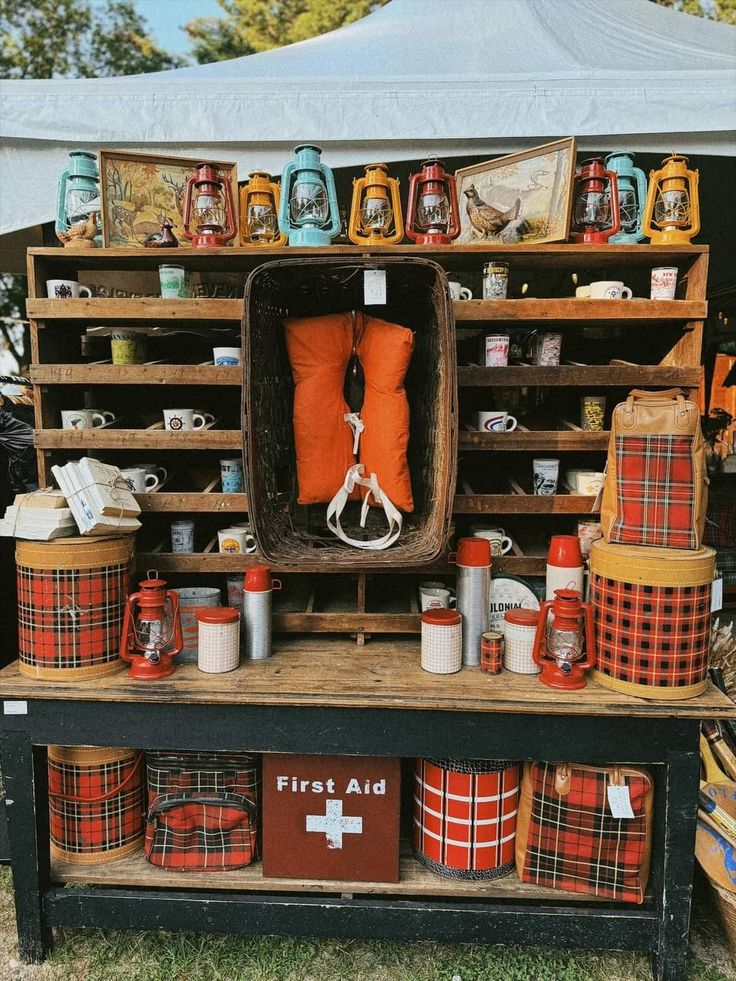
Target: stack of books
39	517
99	498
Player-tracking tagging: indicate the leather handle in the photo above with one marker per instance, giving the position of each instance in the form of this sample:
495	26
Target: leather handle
667	393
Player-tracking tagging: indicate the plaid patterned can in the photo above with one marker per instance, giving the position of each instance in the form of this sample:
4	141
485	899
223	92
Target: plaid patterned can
71	596
491	651
95	803
465	816
442	641
651	611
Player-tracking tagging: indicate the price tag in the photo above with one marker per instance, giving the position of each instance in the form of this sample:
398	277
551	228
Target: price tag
619	800
15	708
374	287
716	596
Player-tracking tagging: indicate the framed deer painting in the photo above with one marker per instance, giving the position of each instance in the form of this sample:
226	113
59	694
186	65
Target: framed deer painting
139	191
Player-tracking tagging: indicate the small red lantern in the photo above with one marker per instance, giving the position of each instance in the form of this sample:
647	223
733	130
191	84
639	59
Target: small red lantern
433	216
151	635
595	216
558	645
208	206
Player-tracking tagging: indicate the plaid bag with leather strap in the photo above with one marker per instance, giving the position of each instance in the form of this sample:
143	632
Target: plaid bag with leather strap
656	489
202	810
567	837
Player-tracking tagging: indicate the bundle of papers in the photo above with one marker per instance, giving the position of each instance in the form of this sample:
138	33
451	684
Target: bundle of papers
99	497
39	516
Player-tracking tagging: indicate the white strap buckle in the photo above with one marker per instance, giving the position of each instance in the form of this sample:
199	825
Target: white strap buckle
335	508
357	425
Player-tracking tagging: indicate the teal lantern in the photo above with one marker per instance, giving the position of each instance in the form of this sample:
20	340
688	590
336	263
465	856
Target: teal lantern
632	196
308	211
78	202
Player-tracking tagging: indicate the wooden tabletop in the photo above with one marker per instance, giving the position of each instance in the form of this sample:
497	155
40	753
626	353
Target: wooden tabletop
334	672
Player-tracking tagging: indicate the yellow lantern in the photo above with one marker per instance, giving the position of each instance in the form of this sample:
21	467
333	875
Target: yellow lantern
672	211
259	210
375	212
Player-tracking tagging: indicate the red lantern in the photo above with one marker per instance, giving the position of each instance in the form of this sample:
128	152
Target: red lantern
595	216
208	206
433	216
151	634
558	645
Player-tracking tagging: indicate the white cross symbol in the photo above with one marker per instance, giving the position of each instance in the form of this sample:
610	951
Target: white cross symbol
333	824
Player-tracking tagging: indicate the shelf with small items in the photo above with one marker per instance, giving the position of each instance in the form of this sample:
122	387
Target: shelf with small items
187	501
572	309
136	374
566	437
105	437
150	309
580	375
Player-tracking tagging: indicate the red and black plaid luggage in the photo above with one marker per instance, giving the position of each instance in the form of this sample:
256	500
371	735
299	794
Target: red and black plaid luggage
567	837
202	810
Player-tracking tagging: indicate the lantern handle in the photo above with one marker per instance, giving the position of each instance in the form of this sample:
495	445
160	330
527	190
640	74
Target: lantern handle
329	178
187	207
541	631
694	176
286	175
61	201
358	188
641	194
613	197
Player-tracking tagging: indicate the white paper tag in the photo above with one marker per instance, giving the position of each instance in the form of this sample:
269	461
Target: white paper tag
15	708
374	287
619	800
716	596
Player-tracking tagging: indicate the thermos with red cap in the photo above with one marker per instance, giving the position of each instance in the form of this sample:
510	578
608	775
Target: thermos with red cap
473	594
564	565
257	592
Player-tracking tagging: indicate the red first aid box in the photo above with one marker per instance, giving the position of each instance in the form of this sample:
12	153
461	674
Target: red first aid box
331	817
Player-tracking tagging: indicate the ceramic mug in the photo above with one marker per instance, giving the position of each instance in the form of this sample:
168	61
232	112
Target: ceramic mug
179	420
436	598
66	289
232	476
138	481
182	536
500	541
227	356
127	347
236	541
85	418
609	289
458	292
546	475
497	350
495	422
155	469
173	281
586	482
664	283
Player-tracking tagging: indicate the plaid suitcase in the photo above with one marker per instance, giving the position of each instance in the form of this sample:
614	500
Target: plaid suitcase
568	839
202	810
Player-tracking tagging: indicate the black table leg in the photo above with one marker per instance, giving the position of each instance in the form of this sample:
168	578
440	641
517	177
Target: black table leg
682	776
26	787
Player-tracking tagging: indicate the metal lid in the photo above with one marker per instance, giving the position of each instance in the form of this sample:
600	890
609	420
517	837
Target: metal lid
218	614
524	618
441	617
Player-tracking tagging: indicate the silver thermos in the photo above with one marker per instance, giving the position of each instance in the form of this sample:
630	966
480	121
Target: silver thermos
257	593
473	594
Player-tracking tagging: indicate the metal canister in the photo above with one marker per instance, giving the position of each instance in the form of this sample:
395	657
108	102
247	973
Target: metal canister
519	630
495	280
442	651
473	594
257	596
491	651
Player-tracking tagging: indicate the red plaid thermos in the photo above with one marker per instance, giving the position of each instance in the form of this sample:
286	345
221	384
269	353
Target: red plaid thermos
465	816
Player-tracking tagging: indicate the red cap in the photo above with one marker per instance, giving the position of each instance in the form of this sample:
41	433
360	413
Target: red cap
441	617
522	617
564	551
474	551
258	579
217	614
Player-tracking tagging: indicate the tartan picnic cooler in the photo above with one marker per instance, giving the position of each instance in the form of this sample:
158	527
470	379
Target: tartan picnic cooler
71	596
202	810
95	803
465	816
651	613
568	837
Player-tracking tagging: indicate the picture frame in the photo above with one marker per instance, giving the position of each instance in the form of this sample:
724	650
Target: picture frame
529	195
138	190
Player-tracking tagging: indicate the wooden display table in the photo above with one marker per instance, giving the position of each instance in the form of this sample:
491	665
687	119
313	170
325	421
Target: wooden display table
326	696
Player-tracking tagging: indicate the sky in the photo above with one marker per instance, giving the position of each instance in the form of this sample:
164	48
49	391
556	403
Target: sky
165	18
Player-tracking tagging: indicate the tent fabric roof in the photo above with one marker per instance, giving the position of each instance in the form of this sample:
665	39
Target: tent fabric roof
416	76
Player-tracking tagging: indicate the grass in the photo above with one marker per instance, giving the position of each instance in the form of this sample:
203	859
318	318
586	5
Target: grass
107	955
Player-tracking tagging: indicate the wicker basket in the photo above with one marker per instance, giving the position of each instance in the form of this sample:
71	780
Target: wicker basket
726	903
290	534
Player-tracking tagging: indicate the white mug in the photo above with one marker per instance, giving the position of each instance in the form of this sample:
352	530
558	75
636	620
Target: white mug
586	482
609	289
227	356
495	422
664	283
139	481
178	420
236	541
84	418
66	289
182	536
437	598
458	292
154	469
500	541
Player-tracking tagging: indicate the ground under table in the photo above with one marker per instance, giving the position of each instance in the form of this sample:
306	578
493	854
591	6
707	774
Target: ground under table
324	695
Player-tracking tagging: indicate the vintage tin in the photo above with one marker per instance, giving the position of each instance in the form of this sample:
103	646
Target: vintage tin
491	651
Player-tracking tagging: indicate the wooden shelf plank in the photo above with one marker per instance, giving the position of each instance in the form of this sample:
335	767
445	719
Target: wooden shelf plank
213	562
326	623
620	376
138	439
172	501
580	309
542	440
107	310
522	504
135	374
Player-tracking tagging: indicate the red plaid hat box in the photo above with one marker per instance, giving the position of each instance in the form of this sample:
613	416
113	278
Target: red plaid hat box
96	807
651	612
202	810
465	816
71	596
567	837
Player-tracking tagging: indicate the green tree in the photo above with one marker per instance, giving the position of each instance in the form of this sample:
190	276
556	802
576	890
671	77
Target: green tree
723	10
259	25
70	39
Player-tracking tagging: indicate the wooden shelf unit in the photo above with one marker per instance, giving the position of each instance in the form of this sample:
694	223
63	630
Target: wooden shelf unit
56	326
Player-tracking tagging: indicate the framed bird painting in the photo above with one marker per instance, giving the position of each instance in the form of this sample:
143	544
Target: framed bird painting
521	198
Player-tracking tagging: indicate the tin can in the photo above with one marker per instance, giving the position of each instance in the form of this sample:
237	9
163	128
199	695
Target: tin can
589	531
592	413
495	280
519	631
491	651
442	642
547	349
219	640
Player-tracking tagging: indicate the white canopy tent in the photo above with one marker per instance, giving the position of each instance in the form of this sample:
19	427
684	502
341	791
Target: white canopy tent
455	77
